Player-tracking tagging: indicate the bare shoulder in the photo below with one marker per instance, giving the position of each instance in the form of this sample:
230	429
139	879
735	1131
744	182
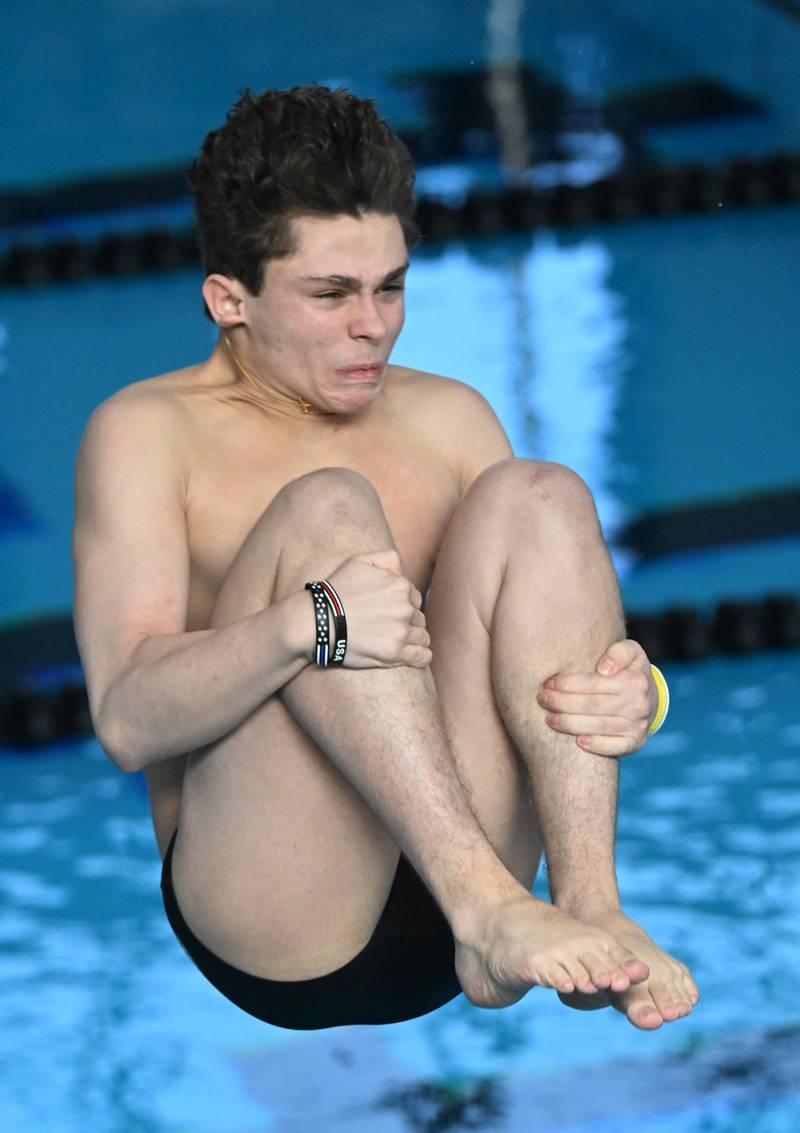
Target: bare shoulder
455	405
134	451
162	393
149	413
447	391
458	418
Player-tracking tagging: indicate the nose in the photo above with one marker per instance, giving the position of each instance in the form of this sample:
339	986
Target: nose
367	321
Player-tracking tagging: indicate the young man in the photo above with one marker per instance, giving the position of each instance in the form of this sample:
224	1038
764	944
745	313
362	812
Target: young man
355	842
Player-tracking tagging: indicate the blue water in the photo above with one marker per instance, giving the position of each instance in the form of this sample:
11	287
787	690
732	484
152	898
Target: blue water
612	350
107	1026
109	86
655	358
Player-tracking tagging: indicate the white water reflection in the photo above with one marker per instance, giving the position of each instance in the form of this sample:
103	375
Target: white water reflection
578	334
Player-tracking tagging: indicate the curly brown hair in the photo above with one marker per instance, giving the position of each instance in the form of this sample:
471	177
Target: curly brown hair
308	151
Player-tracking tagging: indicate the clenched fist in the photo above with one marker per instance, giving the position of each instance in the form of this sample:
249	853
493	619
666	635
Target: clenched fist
385	622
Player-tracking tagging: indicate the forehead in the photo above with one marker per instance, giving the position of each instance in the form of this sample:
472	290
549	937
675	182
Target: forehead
370	244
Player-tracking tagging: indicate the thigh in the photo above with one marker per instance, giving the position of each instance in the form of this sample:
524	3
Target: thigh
280	867
461	599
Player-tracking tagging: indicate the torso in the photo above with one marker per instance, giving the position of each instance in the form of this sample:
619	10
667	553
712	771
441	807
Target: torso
237	458
421	443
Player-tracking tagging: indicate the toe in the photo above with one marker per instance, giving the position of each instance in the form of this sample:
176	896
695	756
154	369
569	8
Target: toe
640	1009
645	1016
589	978
689	986
636	970
629	970
560	979
628	962
598	972
669	1000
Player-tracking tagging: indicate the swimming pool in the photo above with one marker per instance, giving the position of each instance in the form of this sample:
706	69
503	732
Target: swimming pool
653	358
609	349
111	87
108	1027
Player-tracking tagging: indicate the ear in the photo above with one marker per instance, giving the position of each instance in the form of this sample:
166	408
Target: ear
223	297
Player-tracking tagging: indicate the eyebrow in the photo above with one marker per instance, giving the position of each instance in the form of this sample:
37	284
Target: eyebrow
350	283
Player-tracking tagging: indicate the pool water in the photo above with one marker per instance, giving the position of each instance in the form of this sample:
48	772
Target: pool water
607	349
108	1027
654	358
109	87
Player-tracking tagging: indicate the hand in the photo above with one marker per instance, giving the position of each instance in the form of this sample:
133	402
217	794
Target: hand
385	622
610	710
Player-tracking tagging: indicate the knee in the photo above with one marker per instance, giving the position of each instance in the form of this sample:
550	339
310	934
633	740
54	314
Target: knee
539	490
330	497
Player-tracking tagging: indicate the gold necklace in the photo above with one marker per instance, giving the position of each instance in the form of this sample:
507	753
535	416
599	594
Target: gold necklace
301	403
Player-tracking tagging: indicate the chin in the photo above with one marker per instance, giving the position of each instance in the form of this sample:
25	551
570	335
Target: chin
356	401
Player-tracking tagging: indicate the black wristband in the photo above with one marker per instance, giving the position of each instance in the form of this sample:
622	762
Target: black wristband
321	622
336	657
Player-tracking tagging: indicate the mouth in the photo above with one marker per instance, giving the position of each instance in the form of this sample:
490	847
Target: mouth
362	373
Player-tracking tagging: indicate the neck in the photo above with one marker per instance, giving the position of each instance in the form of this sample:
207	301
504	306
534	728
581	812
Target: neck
295	402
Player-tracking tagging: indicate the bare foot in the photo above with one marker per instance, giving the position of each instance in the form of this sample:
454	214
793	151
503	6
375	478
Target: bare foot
668	993
524	942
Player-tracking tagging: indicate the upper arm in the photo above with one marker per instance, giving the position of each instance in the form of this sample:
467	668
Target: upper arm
130	548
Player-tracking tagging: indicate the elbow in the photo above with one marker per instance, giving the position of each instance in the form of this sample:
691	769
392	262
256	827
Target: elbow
117	742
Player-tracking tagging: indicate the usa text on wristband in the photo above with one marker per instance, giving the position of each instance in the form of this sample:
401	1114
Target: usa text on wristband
339	624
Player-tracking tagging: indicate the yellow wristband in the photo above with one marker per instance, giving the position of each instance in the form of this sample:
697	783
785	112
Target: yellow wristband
663	700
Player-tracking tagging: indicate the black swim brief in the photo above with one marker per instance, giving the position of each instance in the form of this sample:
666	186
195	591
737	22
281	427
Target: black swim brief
406	969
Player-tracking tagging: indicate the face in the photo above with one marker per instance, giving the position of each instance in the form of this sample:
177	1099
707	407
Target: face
327	317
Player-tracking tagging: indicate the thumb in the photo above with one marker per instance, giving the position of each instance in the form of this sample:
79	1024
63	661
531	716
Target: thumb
617	657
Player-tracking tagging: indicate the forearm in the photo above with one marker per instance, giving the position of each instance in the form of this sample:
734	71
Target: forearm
180	692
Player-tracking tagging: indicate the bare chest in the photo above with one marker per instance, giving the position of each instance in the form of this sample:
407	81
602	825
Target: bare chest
234	478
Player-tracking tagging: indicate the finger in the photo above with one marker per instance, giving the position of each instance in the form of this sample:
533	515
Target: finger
589	684
575	725
417	656
619	656
575	703
415	596
418	635
417	618
610	746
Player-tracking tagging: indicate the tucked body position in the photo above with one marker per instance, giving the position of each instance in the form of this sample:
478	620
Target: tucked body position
352	786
